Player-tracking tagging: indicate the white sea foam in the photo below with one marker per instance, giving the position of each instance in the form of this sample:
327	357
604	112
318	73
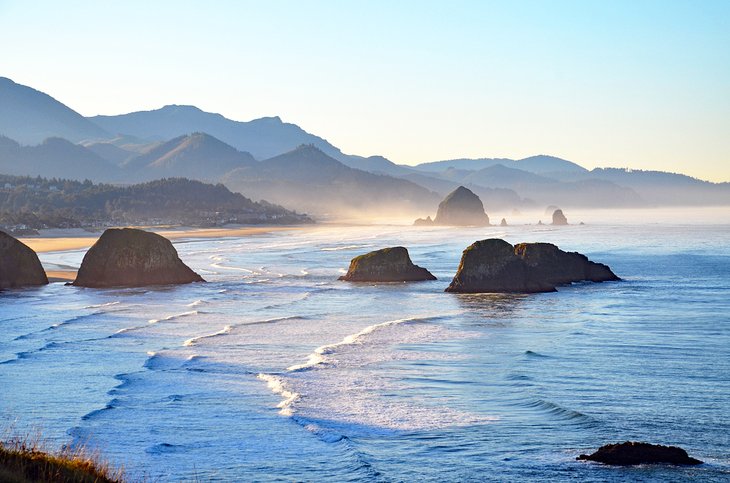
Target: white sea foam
278	386
319	355
347	247
173	317
194	340
98	306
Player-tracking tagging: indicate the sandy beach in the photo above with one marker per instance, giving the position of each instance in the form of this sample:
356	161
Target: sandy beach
62	240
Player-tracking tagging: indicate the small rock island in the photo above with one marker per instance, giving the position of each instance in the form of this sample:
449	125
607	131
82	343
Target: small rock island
495	266
461	207
19	265
127	257
634	453
386	265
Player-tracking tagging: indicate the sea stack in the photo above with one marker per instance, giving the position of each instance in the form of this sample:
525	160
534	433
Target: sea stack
634	453
386	265
19	265
128	257
495	266
461	207
503	222
559	218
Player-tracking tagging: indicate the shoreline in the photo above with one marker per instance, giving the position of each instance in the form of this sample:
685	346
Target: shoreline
74	239
69	240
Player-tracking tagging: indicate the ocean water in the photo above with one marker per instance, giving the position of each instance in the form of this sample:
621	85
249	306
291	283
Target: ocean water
276	371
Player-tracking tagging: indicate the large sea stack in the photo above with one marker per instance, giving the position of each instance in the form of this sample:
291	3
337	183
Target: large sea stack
461	207
633	453
386	265
128	257
19	265
559	218
495	266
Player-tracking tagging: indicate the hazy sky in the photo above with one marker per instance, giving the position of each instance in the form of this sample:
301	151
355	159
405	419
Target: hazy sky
644	84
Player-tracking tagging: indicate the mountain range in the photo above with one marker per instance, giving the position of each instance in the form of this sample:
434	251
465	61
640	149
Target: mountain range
281	162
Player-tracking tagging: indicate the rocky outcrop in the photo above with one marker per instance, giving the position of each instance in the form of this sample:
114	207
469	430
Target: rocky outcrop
559	218
495	266
503	222
19	265
461	207
633	453
129	257
423	222
386	265
547	262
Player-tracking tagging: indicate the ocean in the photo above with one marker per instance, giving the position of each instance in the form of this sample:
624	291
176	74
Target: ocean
276	371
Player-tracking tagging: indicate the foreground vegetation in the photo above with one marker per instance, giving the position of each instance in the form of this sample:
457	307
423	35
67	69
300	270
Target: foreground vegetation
23	461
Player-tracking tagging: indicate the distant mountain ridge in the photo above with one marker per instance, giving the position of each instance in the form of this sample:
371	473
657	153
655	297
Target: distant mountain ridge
30	117
539	164
300	167
263	138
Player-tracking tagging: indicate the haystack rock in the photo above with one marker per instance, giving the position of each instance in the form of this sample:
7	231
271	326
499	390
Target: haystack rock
128	257
495	266
386	265
633	453
19	265
559	218
461	207
503	222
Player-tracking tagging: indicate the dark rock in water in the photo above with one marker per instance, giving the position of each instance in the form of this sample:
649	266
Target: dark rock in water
559	218
491	266
421	222
461	207
539	222
549	263
634	453
19	265
503	222
495	266
386	265
133	258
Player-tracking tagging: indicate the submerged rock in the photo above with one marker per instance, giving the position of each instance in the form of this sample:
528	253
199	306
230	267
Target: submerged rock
495	266
634	453
19	265
461	207
128	257
559	218
386	265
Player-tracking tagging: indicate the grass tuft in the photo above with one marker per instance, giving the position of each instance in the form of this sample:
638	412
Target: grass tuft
26	460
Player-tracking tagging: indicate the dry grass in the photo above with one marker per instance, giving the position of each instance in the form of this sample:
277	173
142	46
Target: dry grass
27	460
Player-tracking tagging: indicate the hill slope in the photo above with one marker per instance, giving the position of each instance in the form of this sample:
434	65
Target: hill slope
55	157
195	156
309	179
30	116
48	203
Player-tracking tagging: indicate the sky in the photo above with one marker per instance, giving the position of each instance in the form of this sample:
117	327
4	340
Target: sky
642	84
